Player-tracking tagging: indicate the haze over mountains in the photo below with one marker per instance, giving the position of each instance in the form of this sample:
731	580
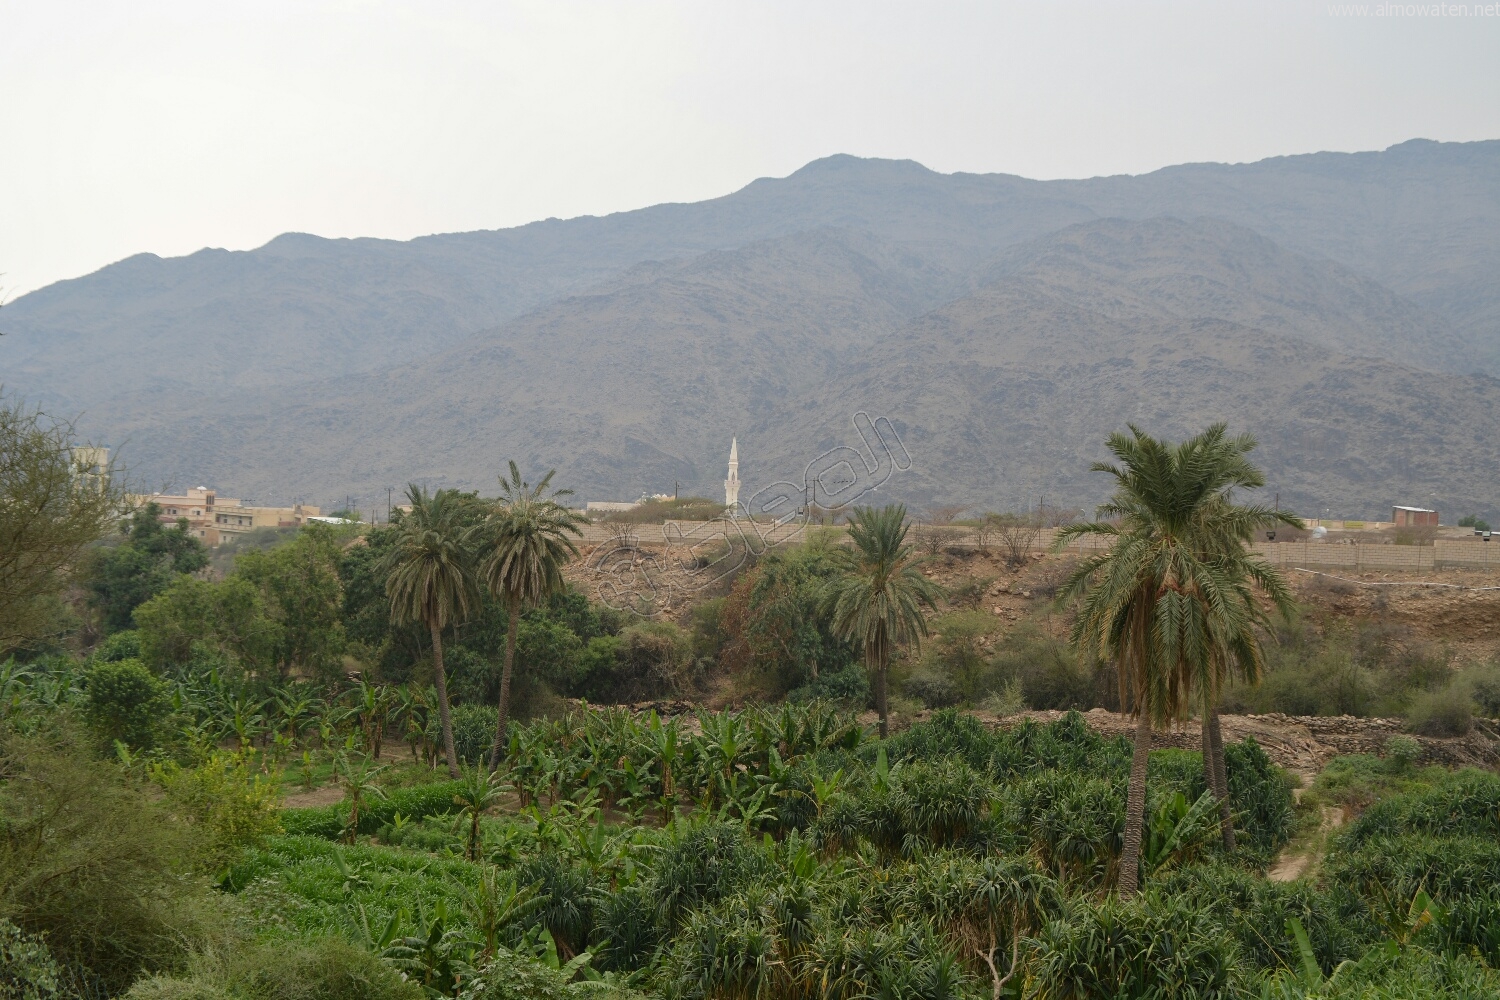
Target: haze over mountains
1343	307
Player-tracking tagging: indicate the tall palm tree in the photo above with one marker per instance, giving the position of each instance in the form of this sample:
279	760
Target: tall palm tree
1171	599
525	549
1224	534
430	579
876	600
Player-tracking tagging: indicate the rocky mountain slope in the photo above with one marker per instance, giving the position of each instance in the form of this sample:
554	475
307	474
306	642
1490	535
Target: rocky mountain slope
1341	306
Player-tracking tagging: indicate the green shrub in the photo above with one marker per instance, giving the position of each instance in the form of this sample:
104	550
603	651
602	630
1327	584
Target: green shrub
1411	974
120	646
232	804
932	689
1261	795
1483	683
27	969
326	968
509	976
1049	674
1461	803
1444	712
473	732
849	686
1145	947
125	702
699	865
1389	871
1256	910
1402	752
96	867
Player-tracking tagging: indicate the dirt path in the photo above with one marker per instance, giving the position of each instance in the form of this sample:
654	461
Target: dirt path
1298	857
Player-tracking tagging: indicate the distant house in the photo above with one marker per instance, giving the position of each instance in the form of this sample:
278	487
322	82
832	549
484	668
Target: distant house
1414	517
211	517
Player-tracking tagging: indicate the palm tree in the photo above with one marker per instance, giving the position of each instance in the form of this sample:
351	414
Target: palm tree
1224	534
1171	600
526	547
430	578
876	600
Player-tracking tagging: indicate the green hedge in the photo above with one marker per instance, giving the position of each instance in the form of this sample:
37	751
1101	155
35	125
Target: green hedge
413	803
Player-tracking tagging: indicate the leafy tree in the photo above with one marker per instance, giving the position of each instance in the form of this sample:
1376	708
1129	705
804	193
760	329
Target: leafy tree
192	615
526	547
774	627
430	579
876	602
50	511
125	702
301	589
149	561
1164	600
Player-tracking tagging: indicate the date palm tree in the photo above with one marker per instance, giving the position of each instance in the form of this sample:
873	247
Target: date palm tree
1224	534
526	545
430	579
1171	599
876	600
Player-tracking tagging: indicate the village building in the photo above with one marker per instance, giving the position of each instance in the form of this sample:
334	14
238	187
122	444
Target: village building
211	518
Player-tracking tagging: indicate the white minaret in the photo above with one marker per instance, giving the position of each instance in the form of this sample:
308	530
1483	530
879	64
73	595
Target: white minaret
732	484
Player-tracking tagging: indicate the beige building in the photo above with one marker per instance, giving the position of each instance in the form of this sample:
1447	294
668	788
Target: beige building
211	517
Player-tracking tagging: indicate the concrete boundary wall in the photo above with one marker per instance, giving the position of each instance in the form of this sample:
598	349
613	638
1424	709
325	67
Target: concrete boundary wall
1357	557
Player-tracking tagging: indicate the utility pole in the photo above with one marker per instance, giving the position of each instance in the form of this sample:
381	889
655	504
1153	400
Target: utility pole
388	490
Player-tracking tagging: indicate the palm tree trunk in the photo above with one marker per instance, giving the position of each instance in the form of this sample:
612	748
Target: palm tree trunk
1135	808
444	715
1220	772
513	617
880	699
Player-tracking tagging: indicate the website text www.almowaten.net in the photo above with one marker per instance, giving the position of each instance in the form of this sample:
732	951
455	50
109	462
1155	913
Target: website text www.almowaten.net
1414	10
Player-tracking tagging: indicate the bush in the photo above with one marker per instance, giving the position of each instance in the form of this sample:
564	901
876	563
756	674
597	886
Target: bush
328	968
95	866
512	977
849	686
933	689
1147	947
1462	803
125	702
1049	674
1402	752
27	970
227	799
473	732
1483	683
1261	794
1446	712
120	646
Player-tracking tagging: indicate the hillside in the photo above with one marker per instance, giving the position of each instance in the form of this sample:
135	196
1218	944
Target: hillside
1001	393
1337	304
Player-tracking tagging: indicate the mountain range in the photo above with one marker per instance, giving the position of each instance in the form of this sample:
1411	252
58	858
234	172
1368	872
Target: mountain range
1342	307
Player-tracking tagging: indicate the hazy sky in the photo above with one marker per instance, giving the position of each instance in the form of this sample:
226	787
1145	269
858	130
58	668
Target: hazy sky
166	127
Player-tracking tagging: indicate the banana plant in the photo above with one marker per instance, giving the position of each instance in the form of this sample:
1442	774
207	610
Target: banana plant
358	776
494	905
1179	831
478	791
437	957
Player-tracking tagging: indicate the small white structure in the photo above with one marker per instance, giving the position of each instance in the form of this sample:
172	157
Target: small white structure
732	484
611	506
